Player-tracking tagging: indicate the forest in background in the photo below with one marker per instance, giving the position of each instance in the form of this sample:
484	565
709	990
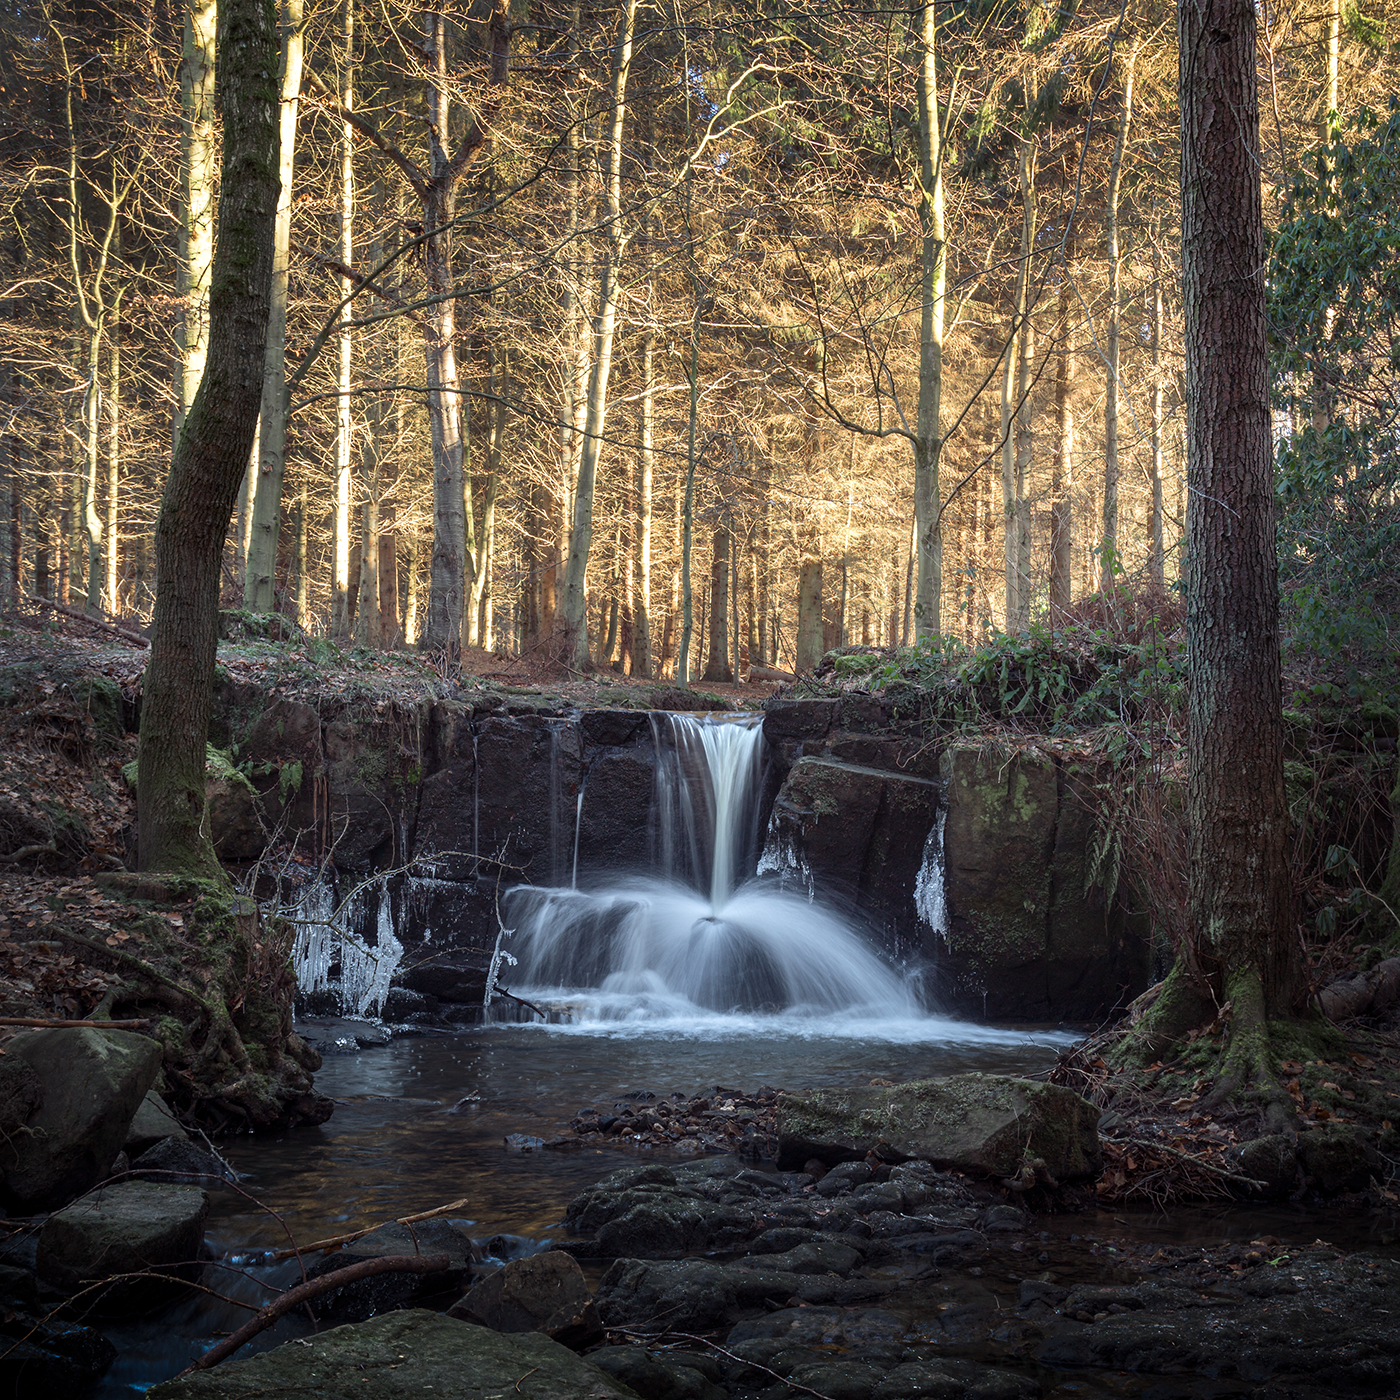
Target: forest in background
679	338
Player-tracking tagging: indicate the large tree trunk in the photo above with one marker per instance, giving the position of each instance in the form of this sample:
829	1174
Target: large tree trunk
196	233
1109	561
1242	936
260	577
210	459
641	627
928	445
809	602
1158	567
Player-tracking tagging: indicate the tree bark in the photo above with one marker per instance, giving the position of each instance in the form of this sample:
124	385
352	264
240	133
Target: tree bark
1062	482
1157	565
717	667
934	265
343	605
210	458
641	657
260	577
196	235
1241	929
809	604
1109	561
604	328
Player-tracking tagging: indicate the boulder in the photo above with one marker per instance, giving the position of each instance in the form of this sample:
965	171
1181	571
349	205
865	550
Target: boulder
386	1292
123	1229
990	1125
179	1162
1273	1161
1336	1158
153	1123
51	1358
93	1083
688	1295
21	1093
543	1293
404	1356
798	719
232	808
665	1375
858	834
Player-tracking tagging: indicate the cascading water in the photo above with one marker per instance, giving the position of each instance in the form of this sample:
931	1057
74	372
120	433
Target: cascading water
704	936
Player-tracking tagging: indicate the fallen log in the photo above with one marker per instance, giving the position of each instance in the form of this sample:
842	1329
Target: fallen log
135	638
293	1298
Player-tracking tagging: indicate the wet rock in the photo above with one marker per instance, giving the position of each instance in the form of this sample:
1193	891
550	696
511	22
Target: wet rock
93	1082
124	1229
990	1125
455	977
543	1293
689	1295
1272	1161
404	1356
39	1358
401	1004
21	1093
1029	935
1336	1158
798	719
810	1257
856	831
381	1293
179	1162
616	830
660	1376
611	728
339	1035
152	1123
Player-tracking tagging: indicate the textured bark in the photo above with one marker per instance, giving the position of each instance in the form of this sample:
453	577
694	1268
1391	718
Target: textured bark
717	667
1241	930
933	271
809	607
1157	563
1109	552
343	603
260	579
210	458
1062	479
604	329
641	627
196	234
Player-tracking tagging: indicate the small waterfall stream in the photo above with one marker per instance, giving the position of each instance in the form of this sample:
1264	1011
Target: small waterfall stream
704	936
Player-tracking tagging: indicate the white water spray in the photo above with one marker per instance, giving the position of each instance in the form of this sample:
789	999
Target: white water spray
704	937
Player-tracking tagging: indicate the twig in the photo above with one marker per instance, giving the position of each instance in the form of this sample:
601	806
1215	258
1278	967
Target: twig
293	1298
135	638
24	852
502	991
43	1025
336	1241
1147	1146
715	1346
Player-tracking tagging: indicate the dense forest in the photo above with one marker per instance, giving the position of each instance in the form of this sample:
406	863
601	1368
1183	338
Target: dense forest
683	339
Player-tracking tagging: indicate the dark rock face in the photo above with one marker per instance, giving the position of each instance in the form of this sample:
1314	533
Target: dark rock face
1025	937
51	1358
93	1082
542	1293
859	834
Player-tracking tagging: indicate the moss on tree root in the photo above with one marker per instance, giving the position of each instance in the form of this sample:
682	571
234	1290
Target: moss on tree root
218	985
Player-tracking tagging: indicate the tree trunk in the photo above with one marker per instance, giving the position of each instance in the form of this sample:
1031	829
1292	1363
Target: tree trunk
604	328
809	605
1242	931
933	271
1158	564
303	593
196	234
343	604
209	461
717	667
260	577
1062	482
641	659
1110	563
390	637
114	459
498	385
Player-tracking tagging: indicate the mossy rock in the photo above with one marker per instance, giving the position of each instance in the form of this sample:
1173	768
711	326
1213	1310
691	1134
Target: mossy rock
986	1124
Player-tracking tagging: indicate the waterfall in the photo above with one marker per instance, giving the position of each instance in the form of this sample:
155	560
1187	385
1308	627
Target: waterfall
930	884
705	934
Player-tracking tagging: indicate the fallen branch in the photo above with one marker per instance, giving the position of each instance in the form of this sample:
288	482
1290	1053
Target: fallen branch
45	1025
293	1298
135	638
24	852
501	991
336	1241
1146	1146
